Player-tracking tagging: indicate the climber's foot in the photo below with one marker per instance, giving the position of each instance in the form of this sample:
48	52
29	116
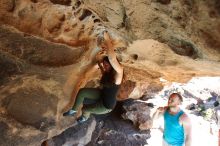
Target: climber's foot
82	119
69	113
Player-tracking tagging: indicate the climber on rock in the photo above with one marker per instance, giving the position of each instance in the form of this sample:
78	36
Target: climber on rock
177	125
105	95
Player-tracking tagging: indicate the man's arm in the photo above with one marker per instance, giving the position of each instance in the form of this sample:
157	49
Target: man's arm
157	114
185	121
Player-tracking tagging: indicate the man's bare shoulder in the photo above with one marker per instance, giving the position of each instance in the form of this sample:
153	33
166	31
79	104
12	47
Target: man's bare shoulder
184	119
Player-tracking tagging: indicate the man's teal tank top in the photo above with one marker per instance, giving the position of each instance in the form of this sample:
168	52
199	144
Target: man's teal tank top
173	131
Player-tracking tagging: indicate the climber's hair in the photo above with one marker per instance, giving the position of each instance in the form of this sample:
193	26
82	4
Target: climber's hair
100	40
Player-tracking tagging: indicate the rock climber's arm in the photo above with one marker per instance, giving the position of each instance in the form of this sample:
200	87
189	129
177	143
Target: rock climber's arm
112	58
99	58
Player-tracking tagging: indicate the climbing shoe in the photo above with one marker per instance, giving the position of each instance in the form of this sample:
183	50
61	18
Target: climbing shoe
82	119
69	113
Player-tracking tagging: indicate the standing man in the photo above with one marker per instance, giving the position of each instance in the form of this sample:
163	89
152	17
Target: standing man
177	125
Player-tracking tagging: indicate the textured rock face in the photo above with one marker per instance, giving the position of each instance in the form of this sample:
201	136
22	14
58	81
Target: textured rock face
190	28
139	114
80	134
46	44
111	129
